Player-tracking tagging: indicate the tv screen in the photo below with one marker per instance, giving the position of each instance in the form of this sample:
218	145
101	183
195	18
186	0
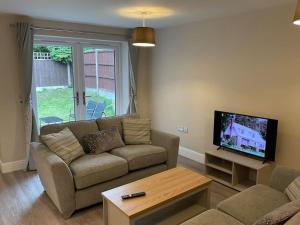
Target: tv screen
246	134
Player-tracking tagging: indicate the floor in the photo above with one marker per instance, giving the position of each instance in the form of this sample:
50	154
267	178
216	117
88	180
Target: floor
24	202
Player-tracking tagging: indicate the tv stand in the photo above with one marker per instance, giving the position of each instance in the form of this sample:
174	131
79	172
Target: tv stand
265	161
236	171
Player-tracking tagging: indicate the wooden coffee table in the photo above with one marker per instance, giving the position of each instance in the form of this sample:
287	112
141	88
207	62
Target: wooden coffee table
171	197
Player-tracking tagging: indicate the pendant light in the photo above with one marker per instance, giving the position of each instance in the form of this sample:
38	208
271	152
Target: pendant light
143	36
297	14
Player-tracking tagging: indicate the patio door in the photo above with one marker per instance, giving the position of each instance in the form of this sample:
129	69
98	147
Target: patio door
74	80
54	95
99	68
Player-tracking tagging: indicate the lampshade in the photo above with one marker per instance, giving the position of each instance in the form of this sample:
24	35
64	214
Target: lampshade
143	37
297	15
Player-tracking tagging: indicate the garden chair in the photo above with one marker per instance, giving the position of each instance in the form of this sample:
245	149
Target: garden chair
99	110
90	108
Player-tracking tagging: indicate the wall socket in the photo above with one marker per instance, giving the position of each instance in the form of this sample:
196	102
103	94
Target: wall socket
182	129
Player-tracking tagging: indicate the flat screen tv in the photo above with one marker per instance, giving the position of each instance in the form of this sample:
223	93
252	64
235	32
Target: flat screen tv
251	135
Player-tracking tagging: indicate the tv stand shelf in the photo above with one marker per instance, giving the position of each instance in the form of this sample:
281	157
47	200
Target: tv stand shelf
236	171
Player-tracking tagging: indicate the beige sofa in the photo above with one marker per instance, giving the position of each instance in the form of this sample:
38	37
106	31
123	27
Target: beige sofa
80	184
248	206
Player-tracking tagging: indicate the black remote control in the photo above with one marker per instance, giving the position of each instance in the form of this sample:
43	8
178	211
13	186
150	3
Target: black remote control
134	195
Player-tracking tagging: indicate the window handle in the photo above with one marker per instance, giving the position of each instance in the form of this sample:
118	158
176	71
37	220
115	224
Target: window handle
84	97
77	98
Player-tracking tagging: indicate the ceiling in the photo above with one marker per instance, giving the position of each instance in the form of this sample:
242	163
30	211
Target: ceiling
106	12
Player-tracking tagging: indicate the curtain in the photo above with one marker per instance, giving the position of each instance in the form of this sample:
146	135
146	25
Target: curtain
133	57
25	46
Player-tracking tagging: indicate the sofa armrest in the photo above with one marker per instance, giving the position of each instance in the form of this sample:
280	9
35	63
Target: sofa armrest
282	176
56	178
168	141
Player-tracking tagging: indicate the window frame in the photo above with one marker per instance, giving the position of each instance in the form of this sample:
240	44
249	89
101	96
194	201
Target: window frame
78	44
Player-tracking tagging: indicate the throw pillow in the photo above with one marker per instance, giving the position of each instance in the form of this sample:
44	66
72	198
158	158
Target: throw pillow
64	144
293	190
136	131
102	141
280	215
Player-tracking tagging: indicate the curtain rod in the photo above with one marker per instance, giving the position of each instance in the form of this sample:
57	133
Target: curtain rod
70	30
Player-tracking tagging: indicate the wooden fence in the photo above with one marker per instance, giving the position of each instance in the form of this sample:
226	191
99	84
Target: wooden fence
47	73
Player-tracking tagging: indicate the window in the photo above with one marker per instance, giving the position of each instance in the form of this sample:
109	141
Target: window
78	79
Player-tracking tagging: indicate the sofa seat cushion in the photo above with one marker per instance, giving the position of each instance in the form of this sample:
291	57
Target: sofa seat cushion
141	156
89	170
253	203
212	217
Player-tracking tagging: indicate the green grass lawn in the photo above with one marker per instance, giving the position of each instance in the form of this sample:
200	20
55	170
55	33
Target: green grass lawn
59	102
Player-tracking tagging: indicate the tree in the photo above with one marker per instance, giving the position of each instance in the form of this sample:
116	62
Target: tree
58	54
40	48
61	54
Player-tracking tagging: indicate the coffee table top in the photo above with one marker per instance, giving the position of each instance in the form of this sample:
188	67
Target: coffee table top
160	189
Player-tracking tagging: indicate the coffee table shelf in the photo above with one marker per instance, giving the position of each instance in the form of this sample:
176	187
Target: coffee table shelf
175	216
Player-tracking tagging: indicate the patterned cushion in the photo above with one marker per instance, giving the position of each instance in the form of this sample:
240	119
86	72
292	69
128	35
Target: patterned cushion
280	215
293	190
64	144
102	141
136	131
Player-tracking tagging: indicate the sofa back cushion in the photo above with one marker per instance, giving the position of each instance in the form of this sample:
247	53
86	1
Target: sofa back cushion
78	128
110	122
282	176
136	131
64	144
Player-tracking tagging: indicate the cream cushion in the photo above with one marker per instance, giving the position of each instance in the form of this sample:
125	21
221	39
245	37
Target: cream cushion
136	131
293	190
64	144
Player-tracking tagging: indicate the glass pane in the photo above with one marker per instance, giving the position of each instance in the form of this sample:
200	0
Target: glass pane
53	82
99	76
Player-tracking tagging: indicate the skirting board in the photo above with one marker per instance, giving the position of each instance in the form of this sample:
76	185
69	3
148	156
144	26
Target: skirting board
12	166
191	154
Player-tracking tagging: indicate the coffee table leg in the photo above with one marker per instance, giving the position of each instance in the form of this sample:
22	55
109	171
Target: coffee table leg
105	214
204	198
113	216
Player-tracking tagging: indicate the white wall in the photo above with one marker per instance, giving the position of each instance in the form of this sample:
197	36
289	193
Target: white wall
248	63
